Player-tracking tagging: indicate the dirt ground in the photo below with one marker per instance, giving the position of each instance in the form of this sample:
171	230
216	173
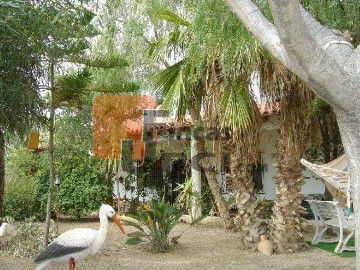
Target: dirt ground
205	246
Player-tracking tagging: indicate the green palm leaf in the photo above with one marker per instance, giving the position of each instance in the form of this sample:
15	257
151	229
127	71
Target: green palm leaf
136	234
133	224
171	17
133	240
235	105
170	83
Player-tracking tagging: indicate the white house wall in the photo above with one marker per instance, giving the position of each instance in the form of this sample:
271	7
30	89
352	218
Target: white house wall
268	142
268	153
174	147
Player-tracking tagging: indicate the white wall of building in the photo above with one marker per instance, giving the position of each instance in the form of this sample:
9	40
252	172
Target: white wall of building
173	148
268	141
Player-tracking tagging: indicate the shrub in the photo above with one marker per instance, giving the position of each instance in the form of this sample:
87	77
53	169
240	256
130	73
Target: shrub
20	188
19	200
83	188
26	238
157	220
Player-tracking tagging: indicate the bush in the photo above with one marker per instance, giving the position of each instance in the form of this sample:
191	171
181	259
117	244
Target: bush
82	190
19	200
157	220
27	238
20	188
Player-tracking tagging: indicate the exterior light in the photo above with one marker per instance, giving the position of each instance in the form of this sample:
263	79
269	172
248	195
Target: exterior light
162	155
57	179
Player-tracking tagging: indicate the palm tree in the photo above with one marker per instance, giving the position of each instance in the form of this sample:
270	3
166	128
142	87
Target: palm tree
238	119
230	104
219	74
183	95
294	100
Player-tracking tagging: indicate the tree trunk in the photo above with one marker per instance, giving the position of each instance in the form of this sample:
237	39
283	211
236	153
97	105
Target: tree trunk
349	124
240	182
196	210
207	162
2	173
51	159
287	211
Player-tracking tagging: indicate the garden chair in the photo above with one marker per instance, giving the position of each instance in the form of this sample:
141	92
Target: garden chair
330	215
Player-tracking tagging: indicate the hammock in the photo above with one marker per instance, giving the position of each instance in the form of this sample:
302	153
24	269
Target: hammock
336	176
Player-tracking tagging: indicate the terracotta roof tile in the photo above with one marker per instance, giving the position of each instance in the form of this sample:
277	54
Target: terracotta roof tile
267	109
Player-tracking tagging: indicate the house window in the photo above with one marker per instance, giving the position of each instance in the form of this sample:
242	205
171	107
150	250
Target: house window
258	173
225	169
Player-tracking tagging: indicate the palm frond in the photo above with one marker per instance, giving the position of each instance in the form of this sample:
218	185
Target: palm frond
170	83
155	50
170	16
236	109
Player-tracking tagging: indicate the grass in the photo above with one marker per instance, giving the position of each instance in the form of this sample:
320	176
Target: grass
330	247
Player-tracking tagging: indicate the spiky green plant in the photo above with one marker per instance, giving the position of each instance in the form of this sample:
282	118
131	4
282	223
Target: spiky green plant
185	193
154	224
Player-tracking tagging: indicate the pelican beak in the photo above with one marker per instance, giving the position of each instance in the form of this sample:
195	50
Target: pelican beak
117	221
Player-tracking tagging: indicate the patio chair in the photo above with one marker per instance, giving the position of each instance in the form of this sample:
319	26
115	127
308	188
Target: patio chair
330	215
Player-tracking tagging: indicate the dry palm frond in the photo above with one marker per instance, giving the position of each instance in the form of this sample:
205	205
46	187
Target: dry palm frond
294	98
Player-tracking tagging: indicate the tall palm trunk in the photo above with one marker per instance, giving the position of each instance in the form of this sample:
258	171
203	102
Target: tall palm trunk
294	99
207	162
196	210
240	182
287	236
2	172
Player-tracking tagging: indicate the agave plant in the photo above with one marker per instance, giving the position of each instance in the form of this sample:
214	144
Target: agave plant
154	224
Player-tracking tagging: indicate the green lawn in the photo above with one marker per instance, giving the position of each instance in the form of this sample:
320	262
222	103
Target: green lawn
331	246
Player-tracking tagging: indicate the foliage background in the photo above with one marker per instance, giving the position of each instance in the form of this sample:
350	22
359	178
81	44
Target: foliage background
83	185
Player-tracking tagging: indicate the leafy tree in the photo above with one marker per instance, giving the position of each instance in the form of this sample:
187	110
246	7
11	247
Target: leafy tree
20	65
59	32
83	185
341	16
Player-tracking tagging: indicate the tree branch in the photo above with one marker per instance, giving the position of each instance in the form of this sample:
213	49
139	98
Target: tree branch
317	51
259	26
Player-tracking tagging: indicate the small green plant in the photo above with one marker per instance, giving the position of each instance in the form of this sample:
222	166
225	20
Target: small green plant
187	197
266	208
154	224
186	193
